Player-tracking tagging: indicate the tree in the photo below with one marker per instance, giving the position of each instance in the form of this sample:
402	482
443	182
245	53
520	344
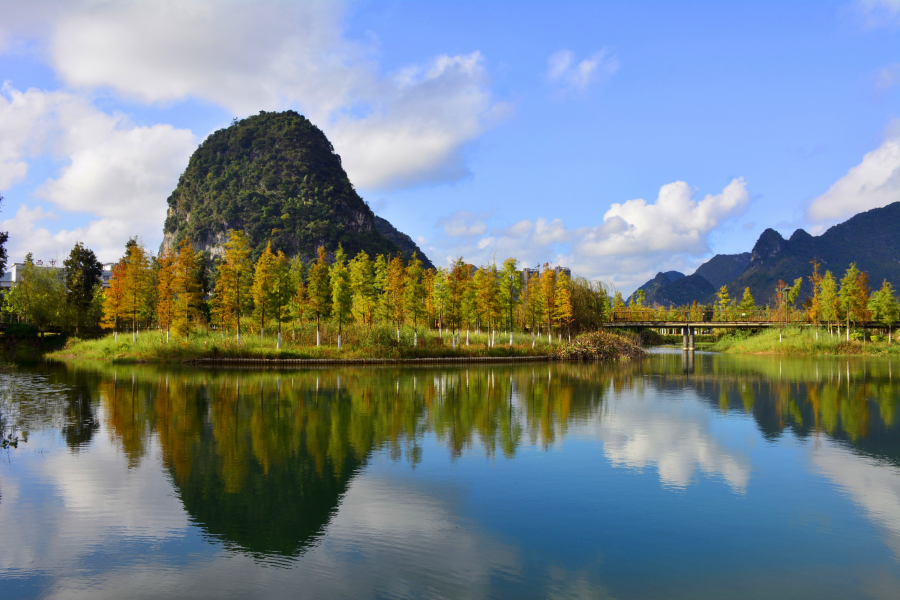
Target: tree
362	283
638	298
165	286
885	308
748	304
232	292
261	289
379	283
510	287
283	290
4	237
114	299
137	285
563	304
548	287
341	291
394	297
414	293
849	294
829	299
618	302
794	291
82	277
723	300
39	298
297	304
814	310
186	284
440	293
318	293
534	303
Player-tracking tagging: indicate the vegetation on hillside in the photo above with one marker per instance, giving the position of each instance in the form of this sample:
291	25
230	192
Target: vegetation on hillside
276	177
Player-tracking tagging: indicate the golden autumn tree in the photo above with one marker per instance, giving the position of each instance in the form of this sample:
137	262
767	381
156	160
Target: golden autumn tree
232	293
318	292
186	283
165	291
114	299
394	293
548	289
137	288
262	286
563	302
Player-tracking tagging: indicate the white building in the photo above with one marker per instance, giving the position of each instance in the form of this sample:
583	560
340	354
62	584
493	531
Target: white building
14	272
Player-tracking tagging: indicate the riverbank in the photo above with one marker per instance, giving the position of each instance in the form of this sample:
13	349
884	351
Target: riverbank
202	348
797	341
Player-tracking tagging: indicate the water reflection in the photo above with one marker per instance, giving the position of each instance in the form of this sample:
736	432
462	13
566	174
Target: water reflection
276	465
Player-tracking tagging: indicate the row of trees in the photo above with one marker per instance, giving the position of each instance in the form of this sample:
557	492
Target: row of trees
172	293
830	302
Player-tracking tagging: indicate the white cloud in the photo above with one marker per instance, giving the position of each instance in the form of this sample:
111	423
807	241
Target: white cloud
106	237
399	130
564	69
464	223
873	183
112	169
25	122
634	240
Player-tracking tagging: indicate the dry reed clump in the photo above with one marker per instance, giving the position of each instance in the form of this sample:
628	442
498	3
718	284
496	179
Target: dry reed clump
599	345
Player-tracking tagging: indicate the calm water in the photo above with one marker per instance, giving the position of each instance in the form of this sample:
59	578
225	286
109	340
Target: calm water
728	477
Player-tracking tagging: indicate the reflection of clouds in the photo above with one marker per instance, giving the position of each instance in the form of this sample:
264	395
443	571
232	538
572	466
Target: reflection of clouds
872	484
386	539
651	429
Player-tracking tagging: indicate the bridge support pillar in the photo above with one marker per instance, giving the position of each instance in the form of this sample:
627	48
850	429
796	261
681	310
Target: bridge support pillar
691	338
684	335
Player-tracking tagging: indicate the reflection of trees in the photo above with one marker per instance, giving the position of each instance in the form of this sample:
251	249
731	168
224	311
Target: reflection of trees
261	459
851	400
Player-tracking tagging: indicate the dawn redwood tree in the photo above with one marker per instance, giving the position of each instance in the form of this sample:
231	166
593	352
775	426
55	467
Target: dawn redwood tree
318	292
510	286
232	292
341	291
165	291
188	291
884	307
114	299
362	285
282	291
137	284
414	294
849	294
262	286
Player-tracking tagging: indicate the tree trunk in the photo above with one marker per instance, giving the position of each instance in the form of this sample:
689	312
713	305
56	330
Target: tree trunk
278	345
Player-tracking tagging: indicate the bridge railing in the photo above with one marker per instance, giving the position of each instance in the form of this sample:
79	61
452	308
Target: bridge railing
706	315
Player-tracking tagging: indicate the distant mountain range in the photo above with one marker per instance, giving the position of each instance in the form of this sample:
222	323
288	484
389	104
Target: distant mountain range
870	239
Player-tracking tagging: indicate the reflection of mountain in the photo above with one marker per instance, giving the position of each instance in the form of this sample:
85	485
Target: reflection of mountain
262	460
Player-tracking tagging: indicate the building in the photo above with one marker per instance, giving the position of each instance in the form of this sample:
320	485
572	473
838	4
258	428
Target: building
14	273
527	272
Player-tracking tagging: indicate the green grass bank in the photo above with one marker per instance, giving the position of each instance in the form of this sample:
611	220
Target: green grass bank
375	344
798	341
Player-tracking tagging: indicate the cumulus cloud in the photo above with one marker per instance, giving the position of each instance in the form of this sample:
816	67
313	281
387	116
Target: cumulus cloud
873	183
28	232
111	169
633	241
564	69
396	130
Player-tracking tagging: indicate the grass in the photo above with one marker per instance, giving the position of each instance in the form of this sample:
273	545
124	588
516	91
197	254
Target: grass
797	341
377	343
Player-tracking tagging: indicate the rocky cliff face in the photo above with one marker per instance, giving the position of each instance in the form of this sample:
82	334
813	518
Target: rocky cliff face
276	177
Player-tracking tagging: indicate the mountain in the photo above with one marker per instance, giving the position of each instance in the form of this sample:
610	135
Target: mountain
660	281
275	176
870	239
722	269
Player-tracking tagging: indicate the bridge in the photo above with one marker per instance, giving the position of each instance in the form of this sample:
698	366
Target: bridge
691	320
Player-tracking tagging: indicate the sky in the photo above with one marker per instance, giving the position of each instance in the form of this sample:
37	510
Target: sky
616	138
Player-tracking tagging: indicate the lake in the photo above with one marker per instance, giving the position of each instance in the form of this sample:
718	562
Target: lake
711	476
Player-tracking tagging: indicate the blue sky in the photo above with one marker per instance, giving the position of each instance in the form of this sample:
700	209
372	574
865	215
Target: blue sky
616	138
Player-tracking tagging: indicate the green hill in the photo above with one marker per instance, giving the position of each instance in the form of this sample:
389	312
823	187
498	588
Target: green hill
275	176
